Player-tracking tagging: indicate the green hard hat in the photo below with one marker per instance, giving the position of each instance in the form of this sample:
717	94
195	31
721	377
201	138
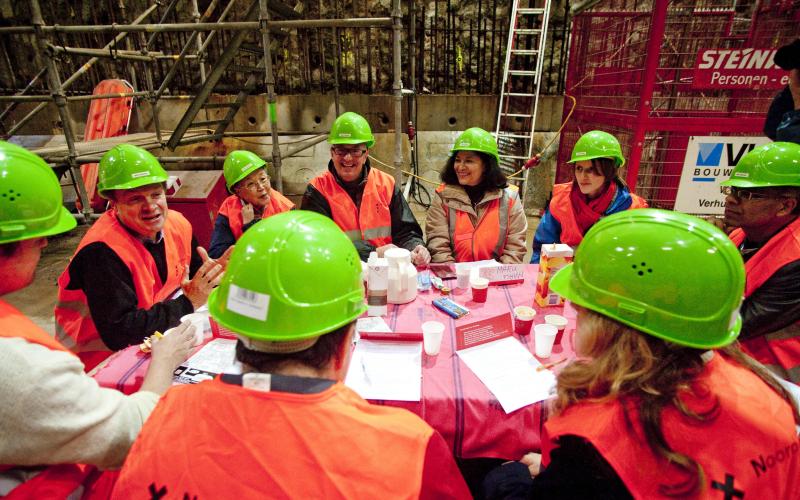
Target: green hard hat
238	165
292	276
476	139
30	197
127	167
351	128
773	164
665	273
597	144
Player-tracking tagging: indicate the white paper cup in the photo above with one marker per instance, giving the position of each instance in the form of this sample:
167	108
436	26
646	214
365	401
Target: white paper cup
432	332
202	326
544	336
462	277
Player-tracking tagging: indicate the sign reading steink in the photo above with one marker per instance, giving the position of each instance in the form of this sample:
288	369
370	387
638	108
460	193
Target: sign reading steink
745	68
709	161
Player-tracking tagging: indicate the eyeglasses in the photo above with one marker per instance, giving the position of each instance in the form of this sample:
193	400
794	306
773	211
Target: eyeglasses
744	194
355	153
257	183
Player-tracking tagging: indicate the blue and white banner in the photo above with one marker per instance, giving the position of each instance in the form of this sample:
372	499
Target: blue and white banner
709	161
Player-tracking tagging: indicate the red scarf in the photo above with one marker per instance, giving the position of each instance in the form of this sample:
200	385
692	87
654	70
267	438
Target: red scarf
586	214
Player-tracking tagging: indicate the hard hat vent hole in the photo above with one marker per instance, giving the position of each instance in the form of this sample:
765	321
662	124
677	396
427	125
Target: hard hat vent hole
642	269
11	195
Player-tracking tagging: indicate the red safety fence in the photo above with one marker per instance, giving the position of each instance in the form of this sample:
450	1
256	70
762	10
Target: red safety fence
655	73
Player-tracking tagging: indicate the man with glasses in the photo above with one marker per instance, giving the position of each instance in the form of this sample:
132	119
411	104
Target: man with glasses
252	199
364	202
762	203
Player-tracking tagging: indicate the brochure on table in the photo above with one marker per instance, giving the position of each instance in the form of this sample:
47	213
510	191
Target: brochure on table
502	363
212	359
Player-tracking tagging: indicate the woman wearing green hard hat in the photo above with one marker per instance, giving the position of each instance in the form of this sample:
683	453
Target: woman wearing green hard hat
52	413
476	215
596	192
253	199
660	401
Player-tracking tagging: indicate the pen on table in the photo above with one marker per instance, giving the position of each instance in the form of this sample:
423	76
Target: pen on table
550	365
364	369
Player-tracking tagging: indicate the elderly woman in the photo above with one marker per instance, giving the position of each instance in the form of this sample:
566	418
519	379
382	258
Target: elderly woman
660	401
596	192
253	199
476	216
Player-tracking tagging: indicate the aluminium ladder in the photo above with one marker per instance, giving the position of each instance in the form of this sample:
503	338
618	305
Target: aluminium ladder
519	91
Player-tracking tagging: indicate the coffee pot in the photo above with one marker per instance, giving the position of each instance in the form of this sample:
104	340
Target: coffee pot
402	276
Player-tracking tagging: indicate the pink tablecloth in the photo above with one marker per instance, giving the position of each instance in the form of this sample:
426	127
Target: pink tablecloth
454	401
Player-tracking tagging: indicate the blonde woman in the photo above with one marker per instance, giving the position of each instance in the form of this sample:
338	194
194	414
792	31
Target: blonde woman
660	402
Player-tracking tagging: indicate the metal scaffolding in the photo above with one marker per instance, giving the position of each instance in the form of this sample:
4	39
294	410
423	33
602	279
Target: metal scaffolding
258	21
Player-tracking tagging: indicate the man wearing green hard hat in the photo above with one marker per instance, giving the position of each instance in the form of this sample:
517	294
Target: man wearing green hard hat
363	201
53	415
252	199
285	425
121	284
659	402
763	201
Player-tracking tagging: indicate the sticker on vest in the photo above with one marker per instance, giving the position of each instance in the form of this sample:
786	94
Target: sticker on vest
136	175
257	381
248	303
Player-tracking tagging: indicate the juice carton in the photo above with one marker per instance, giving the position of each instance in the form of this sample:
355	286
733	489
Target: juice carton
553	257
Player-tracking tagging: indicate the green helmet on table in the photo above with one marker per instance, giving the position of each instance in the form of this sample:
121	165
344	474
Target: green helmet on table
597	144
476	139
351	128
771	165
292	277
30	197
667	274
128	167
238	165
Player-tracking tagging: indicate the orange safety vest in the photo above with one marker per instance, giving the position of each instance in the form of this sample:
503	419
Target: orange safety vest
561	209
74	325
487	240
780	350
749	447
56	481
232	209
275	444
372	221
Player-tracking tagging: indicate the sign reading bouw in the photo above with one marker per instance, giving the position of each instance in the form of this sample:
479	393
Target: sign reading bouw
709	161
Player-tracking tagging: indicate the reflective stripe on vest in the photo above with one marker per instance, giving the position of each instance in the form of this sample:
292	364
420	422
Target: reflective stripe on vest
74	325
319	445
780	350
372	221
750	443
487	240
561	209
232	209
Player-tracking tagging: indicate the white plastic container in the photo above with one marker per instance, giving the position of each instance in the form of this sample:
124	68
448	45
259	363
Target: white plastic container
377	284
402	285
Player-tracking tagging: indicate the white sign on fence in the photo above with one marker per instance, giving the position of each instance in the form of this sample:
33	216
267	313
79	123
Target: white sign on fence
709	161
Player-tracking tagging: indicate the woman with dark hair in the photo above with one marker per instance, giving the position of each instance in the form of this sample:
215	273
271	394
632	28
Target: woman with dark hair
660	402
476	216
596	192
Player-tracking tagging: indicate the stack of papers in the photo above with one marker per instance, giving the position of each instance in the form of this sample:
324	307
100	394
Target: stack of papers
214	358
386	370
508	369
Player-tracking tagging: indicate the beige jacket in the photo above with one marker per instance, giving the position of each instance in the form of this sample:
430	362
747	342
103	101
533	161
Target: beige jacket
438	233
